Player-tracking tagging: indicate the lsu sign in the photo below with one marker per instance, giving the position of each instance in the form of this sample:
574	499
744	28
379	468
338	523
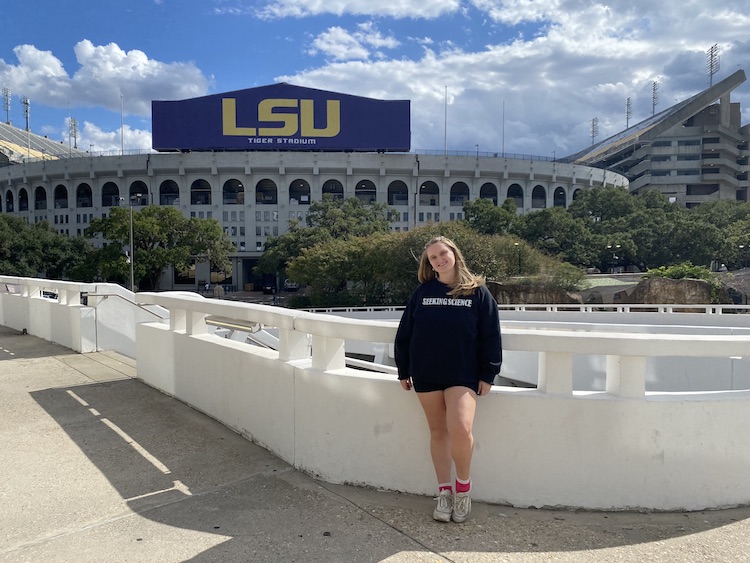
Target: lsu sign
281	117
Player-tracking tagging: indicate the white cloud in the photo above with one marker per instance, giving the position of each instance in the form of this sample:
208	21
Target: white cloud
555	63
393	8
370	35
112	141
105	73
340	45
574	61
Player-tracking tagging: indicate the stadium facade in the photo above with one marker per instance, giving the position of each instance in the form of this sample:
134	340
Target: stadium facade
255	159
694	151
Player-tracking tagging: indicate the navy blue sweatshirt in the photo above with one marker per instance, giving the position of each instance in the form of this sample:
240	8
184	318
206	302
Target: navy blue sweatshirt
452	340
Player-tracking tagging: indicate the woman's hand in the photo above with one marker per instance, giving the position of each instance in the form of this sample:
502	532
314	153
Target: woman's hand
484	388
406	384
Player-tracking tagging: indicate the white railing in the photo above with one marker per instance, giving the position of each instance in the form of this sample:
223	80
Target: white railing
619	448
670	308
82	317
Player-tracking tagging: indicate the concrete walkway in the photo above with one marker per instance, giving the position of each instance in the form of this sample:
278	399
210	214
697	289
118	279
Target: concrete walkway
98	467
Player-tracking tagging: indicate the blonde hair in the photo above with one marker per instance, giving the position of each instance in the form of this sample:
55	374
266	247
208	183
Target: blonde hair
465	282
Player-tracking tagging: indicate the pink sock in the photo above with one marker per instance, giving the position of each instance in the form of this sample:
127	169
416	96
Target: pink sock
463	486
445	486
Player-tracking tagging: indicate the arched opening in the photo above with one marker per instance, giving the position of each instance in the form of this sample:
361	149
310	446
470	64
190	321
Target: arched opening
398	193
559	199
576	193
334	189
366	191
40	198
169	193
110	195
23	200
266	193
299	192
200	192
459	194
138	193
233	192
488	191
60	196
538	197
83	195
429	194
515	192
9	201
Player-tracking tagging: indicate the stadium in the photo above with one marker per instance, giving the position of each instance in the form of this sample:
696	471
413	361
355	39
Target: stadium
254	159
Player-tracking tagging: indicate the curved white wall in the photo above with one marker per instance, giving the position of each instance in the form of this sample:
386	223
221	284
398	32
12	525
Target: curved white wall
551	446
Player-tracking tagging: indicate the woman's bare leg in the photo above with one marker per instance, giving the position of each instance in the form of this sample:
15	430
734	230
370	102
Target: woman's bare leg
460	407
433	404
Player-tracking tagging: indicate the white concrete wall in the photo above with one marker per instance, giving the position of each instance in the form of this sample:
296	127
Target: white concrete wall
552	446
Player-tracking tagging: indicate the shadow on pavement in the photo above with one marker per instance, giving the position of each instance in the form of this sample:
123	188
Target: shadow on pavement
177	467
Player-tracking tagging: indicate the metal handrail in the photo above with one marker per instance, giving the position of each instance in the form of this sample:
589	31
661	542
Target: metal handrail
139	305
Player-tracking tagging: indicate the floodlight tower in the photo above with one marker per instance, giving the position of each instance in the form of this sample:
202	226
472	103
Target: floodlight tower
6	104
712	62
654	96
26	106
594	129
72	133
628	112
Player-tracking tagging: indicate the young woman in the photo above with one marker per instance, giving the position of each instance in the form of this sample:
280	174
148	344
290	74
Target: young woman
448	350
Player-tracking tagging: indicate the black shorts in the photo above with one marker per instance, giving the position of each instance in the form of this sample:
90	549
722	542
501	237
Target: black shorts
428	386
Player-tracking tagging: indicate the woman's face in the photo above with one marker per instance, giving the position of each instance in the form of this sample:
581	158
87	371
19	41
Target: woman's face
442	260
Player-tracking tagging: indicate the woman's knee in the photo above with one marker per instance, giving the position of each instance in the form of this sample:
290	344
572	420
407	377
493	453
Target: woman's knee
461	433
439	432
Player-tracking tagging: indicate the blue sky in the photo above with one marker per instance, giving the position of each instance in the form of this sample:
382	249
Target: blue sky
524	76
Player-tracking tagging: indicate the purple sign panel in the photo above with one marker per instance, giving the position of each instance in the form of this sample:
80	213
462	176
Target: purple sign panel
281	117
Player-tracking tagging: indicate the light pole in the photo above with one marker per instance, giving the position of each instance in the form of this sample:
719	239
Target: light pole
131	257
614	249
132	254
518	254
742	256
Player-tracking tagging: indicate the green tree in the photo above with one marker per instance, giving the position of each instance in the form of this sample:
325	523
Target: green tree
38	250
280	250
331	218
558	233
603	204
736	248
485	217
722	213
382	268
162	236
349	217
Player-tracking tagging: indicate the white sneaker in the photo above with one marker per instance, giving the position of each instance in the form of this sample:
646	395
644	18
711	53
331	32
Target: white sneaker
461	507
444	507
